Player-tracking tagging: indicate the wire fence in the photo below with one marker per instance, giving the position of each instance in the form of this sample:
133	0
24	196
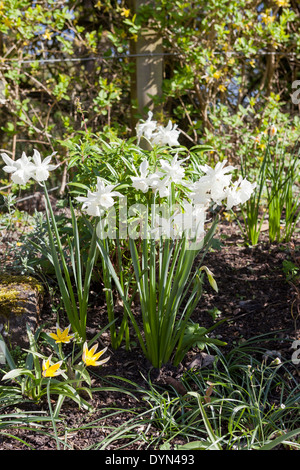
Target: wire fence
149	54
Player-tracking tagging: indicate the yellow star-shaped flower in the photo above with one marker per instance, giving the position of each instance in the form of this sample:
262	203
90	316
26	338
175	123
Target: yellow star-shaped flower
62	336
217	74
222	88
7	22
282	3
51	370
90	357
267	17
125	12
48	35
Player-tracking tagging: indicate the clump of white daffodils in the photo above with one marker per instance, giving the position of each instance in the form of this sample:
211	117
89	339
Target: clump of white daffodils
157	134
214	187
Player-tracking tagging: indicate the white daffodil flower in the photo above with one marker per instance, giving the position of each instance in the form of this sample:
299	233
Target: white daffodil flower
158	185
105	194
90	205
142	183
217	179
42	168
200	192
153	181
158	135
239	192
217	174
95	203
191	221
173	170
24	168
146	128
166	135
21	169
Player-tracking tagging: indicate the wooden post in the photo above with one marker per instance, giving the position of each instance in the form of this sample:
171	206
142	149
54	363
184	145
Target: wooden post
147	77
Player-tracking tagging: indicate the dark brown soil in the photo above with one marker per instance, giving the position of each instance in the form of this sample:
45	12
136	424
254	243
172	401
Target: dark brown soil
255	299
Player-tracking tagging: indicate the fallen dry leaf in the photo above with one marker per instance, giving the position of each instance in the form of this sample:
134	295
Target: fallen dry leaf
176	384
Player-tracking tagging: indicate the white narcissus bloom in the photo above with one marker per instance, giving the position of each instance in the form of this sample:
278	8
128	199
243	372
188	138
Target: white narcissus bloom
158	185
96	203
191	220
166	135
257	138
42	168
141	183
157	181
239	192
158	135
90	205
200	192
146	128
217	180
21	169
173	170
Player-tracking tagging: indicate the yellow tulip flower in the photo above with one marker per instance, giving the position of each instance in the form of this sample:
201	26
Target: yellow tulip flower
51	370
62	336
90	357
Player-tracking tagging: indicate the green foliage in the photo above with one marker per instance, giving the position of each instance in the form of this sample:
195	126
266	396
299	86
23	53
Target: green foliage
66	77
223	73
75	298
282	175
230	405
291	270
276	196
28	380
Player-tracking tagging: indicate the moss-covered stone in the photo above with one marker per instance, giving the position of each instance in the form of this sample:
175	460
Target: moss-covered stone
21	298
15	291
16	280
10	302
